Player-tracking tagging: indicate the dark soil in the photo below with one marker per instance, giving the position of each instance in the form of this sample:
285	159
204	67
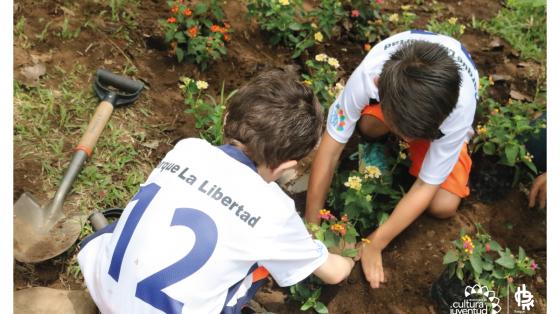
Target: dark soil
412	261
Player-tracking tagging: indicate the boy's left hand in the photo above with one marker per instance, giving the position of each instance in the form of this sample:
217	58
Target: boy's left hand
372	265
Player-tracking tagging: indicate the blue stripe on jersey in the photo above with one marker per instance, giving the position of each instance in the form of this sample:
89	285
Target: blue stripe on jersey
421	31
468	55
238	155
233	289
107	229
236	309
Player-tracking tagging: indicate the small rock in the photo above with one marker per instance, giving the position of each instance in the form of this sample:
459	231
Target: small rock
519	96
496	44
501	77
540	280
431	233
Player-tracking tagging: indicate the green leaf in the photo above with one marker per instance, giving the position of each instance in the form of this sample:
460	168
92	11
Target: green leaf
476	263
507	261
522	254
295	26
450	257
495	246
321	308
350	252
180	54
489	148
308	304
511	153
200	8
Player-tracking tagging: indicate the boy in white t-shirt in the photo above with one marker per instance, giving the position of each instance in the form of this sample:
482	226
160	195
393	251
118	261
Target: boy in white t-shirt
210	224
423	87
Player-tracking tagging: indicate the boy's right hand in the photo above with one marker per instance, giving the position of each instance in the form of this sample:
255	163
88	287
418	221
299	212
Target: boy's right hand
372	265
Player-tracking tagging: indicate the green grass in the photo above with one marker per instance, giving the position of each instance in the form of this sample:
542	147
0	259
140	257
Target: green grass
522	23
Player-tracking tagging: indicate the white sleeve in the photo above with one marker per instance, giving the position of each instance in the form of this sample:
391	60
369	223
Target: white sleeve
442	157
295	254
347	109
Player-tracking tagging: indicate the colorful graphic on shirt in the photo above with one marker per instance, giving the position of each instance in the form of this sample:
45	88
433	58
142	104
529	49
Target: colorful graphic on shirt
338	118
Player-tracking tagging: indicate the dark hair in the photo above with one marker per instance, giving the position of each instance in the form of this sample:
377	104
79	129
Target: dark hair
419	87
275	117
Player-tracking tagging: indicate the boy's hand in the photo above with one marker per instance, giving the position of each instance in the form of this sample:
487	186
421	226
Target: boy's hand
538	190
372	265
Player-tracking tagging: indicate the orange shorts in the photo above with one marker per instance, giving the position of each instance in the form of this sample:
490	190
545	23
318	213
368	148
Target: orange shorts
458	179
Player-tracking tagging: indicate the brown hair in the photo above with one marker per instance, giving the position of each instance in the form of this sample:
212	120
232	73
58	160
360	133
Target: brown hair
275	117
419	87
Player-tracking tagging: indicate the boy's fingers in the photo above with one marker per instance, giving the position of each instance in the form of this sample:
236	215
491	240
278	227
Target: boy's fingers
542	199
533	194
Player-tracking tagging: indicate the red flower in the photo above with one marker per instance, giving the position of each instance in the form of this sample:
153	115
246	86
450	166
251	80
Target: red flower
192	32
226	37
215	28
355	13
187	12
379	1
175	9
367	47
171	20
487	247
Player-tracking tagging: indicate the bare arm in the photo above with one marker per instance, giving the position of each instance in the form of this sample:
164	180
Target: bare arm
322	171
408	209
334	269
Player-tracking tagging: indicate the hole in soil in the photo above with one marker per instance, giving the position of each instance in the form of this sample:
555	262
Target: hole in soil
157	43
489	180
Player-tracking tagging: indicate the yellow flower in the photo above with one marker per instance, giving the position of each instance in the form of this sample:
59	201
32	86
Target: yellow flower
284	2
201	85
405	7
354	183
462	29
452	20
378	22
333	62
338	87
313	25
403	145
402	155
495	111
394	18
366	241
528	157
318	36
368	198
321	57
372	172
481	129
307	82
490	81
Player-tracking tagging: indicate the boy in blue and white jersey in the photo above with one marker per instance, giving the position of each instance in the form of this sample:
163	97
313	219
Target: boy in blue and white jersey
210	224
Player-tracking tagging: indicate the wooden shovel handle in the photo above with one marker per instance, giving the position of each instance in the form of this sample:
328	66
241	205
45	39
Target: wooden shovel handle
95	127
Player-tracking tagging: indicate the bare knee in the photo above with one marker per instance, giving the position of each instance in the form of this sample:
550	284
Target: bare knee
372	127
444	205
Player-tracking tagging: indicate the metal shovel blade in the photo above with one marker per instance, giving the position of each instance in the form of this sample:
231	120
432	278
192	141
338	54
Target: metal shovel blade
42	233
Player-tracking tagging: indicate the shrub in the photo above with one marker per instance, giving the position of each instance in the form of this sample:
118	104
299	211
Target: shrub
365	22
207	111
322	78
196	31
484	261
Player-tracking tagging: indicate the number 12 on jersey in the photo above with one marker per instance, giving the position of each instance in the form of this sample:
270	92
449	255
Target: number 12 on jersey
150	289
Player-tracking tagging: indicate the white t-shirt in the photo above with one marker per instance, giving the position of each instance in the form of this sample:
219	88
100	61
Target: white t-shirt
188	239
360	88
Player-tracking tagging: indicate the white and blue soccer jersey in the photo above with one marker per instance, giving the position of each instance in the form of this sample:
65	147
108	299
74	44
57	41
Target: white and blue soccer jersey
189	239
360	89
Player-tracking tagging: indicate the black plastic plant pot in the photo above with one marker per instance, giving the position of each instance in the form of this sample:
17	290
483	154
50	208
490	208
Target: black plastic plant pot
445	291
490	181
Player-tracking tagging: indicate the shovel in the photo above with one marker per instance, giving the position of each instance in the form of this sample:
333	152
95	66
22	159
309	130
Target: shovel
43	232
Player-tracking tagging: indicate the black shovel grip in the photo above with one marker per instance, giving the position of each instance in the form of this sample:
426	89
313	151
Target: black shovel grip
120	82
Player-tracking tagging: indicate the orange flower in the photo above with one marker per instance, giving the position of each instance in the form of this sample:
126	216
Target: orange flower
215	28
344	218
226	37
192	32
187	12
367	47
175	9
171	20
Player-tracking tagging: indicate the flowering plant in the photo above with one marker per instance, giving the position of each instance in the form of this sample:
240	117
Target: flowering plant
196	31
365	22
402	22
449	27
484	261
322	78
506	131
338	235
207	111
